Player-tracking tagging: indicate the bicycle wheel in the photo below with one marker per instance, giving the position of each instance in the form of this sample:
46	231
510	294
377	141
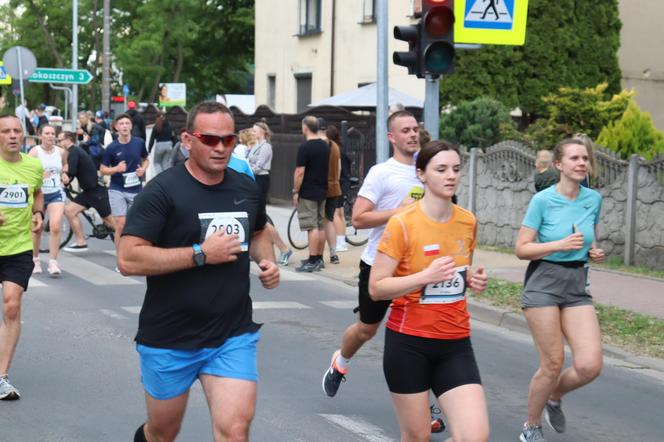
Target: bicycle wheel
356	237
268	219
297	238
65	235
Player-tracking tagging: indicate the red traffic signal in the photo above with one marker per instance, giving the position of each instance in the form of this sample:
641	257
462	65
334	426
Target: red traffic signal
437	37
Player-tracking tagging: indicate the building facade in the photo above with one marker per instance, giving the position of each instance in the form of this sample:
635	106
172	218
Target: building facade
308	50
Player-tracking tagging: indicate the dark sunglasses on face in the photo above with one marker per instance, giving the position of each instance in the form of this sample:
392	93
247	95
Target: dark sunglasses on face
213	140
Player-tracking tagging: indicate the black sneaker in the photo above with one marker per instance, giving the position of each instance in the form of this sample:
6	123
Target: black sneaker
554	416
76	248
333	378
308	267
334	259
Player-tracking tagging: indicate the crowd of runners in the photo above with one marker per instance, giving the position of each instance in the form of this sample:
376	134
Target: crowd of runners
194	228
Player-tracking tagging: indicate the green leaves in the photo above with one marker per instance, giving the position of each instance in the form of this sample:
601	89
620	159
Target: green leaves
477	123
634	133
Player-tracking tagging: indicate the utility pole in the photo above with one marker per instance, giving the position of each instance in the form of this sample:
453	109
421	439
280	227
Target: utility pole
382	148
74	64
106	62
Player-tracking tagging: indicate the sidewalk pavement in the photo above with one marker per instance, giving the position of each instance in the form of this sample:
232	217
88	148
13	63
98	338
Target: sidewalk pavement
640	294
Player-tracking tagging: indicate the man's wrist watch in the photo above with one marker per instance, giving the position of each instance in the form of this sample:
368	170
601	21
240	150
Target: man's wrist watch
199	256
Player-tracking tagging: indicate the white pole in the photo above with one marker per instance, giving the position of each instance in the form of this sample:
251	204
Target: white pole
74	64
20	82
382	148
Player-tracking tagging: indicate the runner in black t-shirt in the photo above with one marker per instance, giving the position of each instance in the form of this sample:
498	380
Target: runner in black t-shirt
82	167
191	231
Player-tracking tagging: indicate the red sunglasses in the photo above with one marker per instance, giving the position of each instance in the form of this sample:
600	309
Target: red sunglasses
213	140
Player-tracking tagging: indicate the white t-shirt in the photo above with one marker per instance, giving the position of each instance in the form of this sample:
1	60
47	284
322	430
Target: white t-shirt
52	163
386	186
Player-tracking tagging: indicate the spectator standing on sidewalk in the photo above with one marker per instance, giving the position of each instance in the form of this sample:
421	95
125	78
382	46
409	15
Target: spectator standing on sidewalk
137	121
21	214
164	137
545	174
333	191
333	135
259	157
309	190
558	235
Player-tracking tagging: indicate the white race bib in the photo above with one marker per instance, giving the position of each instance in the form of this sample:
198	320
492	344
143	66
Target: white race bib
14	195
131	179
51	182
446	292
231	223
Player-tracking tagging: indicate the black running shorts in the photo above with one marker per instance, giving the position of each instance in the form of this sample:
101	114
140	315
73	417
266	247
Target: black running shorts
17	268
371	312
413	364
97	198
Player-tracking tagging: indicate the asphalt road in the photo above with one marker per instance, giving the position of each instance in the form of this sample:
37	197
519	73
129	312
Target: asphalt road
78	371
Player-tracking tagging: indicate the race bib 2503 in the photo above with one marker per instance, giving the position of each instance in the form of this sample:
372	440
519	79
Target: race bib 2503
231	223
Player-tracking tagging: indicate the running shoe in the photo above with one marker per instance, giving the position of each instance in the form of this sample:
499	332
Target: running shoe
7	391
333	377
554	416
437	424
53	269
37	268
341	248
532	433
76	248
310	267
284	257
334	259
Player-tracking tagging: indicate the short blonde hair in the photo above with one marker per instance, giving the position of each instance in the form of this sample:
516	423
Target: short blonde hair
247	137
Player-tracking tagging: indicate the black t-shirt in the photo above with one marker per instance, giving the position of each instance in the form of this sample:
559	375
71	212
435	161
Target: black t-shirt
82	167
199	307
314	155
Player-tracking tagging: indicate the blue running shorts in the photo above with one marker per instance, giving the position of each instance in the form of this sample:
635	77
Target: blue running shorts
167	373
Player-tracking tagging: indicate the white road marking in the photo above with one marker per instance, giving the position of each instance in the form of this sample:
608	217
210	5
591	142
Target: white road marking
359	427
265	305
286	275
133	309
111	252
112	314
94	273
340	304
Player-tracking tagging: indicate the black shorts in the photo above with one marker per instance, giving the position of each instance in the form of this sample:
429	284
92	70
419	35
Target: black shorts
17	268
340	201
97	198
413	364
263	182
330	207
371	312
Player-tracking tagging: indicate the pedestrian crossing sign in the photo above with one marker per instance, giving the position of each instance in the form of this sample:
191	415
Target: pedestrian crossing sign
5	78
491	22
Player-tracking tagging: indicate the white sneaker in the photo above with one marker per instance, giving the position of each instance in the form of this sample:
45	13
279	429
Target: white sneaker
342	247
37	268
53	269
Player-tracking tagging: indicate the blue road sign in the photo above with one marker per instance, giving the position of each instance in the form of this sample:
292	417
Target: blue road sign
125	90
489	14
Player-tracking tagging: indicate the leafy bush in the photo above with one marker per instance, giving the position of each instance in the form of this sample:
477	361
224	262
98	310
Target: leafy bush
574	110
634	133
477	123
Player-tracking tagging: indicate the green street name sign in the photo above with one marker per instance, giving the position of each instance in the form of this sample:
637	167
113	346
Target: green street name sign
69	76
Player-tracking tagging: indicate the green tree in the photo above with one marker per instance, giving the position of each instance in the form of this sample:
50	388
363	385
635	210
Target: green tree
634	133
568	43
477	123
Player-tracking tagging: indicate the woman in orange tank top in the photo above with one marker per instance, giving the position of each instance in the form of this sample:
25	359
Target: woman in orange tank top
423	266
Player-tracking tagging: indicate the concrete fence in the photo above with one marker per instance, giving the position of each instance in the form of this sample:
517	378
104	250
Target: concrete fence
497	185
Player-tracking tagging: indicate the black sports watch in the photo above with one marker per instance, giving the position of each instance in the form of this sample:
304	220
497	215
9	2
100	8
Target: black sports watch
199	256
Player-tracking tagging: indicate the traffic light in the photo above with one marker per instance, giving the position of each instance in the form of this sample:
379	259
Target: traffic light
410	59
436	37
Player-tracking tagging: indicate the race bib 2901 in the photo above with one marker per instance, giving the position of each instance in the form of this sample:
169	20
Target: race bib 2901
14	195
446	292
231	223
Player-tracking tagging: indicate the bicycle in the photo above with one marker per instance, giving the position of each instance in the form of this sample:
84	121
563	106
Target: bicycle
99	230
354	236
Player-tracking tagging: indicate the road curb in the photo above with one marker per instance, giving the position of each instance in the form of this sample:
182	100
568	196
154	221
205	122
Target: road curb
516	322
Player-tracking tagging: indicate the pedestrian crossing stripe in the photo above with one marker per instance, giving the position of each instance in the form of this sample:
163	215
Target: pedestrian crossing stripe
359	427
269	305
492	22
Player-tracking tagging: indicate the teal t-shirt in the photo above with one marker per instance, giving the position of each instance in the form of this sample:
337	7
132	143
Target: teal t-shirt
18	182
554	216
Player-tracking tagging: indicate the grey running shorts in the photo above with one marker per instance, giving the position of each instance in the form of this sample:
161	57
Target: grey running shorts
561	284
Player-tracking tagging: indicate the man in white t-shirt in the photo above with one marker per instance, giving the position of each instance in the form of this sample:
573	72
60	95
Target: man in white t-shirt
386	188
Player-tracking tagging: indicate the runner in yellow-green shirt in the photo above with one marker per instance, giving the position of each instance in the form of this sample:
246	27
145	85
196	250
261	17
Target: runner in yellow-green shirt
21	213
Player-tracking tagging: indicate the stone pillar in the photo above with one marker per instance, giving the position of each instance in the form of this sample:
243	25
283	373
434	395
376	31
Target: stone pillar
630	209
